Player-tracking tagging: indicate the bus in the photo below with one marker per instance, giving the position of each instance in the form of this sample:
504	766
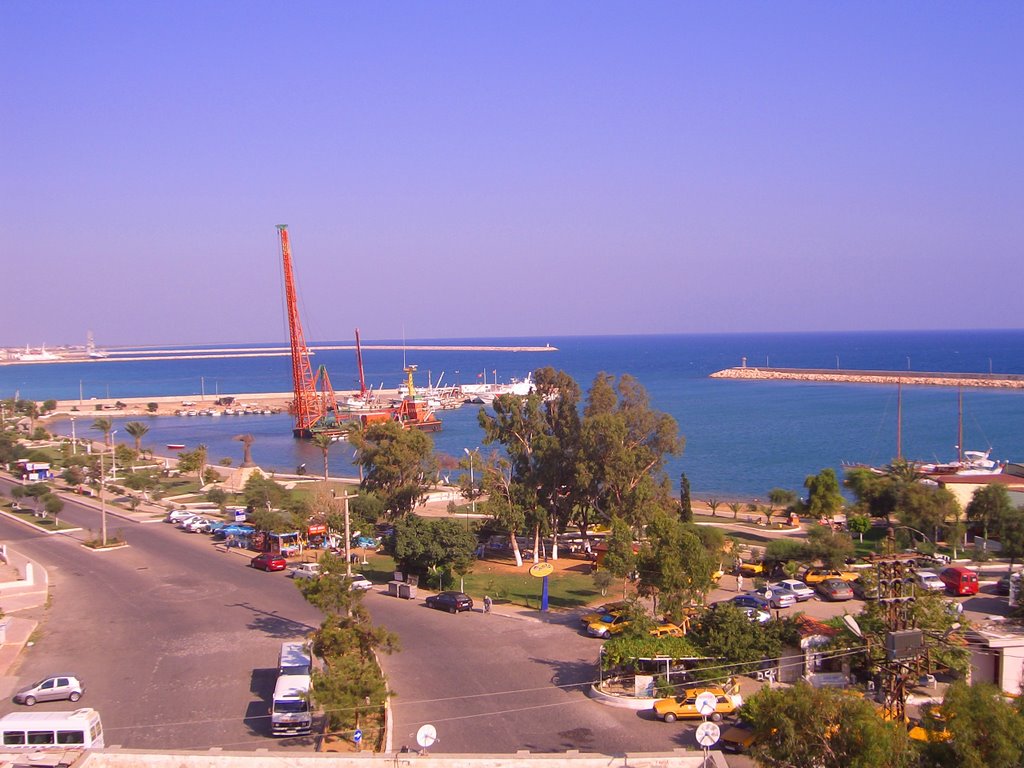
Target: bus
52	730
295	659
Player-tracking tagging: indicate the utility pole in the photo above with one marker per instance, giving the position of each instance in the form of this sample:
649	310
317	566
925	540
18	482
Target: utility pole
348	532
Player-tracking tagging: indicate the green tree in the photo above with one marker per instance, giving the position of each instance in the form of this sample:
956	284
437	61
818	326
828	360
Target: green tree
506	500
104	425
713	505
859	524
685	506
53	505
735	506
261	492
194	461
824	498
620	559
877	495
927	508
830	547
733	643
624	446
324	442
137	430
674	566
986	731
397	463
987	507
73	475
807	726
420	545
143	481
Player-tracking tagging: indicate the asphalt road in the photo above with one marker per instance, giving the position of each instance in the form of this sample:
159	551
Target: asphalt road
176	642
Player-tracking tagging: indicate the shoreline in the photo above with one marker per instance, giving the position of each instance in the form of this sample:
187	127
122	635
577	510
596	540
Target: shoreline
911	378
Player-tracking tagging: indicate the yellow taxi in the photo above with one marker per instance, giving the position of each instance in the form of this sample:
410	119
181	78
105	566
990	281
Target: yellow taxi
751	569
813	576
685	705
612	624
602	610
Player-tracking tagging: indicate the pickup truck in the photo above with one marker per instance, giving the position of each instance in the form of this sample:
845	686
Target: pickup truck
305	571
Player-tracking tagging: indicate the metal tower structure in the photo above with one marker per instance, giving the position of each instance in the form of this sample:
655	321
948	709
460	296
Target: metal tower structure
311	407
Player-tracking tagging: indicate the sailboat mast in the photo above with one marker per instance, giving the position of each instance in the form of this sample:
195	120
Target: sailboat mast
960	426
359	362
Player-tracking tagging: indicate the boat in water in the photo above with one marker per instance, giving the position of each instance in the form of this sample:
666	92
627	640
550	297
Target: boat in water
485	393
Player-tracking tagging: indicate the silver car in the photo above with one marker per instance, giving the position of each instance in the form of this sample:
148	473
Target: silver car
56	688
780	596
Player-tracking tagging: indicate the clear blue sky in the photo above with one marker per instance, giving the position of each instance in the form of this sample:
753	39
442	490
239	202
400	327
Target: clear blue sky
502	169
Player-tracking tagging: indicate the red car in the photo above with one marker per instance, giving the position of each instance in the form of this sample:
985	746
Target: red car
269	562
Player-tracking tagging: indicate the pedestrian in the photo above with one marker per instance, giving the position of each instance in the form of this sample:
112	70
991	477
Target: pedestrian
487	603
739	583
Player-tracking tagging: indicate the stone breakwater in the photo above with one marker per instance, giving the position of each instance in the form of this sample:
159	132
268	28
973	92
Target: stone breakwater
910	378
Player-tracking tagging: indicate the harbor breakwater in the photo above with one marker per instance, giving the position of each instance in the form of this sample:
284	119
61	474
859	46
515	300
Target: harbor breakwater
910	378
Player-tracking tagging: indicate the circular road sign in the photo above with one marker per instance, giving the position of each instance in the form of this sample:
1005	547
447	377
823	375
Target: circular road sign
767	594
706	703
541	569
426	735
357	736
708	734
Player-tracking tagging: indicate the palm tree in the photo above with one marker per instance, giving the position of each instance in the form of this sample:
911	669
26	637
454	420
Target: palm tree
735	506
713	505
104	425
137	430
323	441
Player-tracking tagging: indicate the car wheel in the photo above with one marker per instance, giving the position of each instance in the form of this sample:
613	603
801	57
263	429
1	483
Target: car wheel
605	635
30	701
75	696
716	717
669	717
453	609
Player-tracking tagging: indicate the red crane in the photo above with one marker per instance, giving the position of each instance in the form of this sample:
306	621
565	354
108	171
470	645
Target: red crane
314	409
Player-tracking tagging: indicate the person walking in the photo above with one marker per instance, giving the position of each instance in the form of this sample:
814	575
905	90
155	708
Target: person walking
739	583
487	603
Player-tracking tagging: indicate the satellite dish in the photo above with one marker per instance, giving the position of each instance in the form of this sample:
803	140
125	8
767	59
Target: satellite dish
708	734
706	704
852	625
426	735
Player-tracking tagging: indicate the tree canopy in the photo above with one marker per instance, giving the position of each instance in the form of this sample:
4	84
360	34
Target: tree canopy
398	464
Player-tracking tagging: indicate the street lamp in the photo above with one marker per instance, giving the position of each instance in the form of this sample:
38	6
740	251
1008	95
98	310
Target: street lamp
113	456
74	440
472	488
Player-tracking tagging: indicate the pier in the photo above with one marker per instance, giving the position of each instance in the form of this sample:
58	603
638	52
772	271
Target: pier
909	378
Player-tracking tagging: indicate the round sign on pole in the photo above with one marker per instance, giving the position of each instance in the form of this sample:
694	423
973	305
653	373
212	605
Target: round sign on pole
357	736
708	734
706	704
541	569
767	594
426	735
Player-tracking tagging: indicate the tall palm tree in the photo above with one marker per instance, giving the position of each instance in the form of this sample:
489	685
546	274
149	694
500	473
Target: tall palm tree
137	430
323	442
104	425
713	505
735	506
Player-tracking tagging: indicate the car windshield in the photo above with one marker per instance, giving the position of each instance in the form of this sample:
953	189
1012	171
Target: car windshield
289	705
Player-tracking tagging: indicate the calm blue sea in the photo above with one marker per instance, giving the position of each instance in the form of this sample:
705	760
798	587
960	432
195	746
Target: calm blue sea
742	438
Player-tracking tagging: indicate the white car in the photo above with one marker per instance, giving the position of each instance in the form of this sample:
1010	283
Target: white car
197	524
177	515
184	522
929	580
305	571
360	582
798	588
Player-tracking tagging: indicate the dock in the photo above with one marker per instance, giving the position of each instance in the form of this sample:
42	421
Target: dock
908	378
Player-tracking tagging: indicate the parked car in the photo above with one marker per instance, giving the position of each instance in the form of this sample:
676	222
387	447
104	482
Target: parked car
609	624
1003	585
759	615
269	562
589	618
752	569
177	515
184	522
453	602
864	589
813	576
361	582
835	590
685	705
960	580
929	581
56	688
738	738
798	588
305	571
197	525
751	600
780	596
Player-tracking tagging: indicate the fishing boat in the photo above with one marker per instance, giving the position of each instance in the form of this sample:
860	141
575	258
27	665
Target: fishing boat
485	393
175	446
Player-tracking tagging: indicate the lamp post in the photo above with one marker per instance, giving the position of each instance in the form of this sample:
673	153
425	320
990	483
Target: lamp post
74	440
472	487
113	456
103	504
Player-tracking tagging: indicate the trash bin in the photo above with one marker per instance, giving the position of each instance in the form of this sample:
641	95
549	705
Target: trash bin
393	588
408	591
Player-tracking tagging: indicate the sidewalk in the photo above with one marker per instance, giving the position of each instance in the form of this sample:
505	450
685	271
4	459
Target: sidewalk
18	595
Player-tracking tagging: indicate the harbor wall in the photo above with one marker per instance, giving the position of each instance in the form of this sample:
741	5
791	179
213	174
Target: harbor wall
910	378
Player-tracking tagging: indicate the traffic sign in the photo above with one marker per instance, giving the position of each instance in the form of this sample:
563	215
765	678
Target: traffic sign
708	734
357	736
706	703
541	569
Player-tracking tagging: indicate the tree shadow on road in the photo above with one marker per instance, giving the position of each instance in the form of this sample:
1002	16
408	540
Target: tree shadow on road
570	675
270	623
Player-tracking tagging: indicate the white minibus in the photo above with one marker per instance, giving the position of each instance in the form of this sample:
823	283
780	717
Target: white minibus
51	730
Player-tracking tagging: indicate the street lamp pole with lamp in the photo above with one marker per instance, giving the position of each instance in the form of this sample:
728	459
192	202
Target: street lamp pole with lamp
113	456
74	439
472	486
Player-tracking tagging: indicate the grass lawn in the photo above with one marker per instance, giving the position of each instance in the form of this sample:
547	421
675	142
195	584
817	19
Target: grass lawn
44	523
570	586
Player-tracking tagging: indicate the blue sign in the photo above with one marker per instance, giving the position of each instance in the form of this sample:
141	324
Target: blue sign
357	736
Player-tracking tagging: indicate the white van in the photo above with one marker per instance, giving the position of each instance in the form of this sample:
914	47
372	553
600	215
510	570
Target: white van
290	713
51	730
295	659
